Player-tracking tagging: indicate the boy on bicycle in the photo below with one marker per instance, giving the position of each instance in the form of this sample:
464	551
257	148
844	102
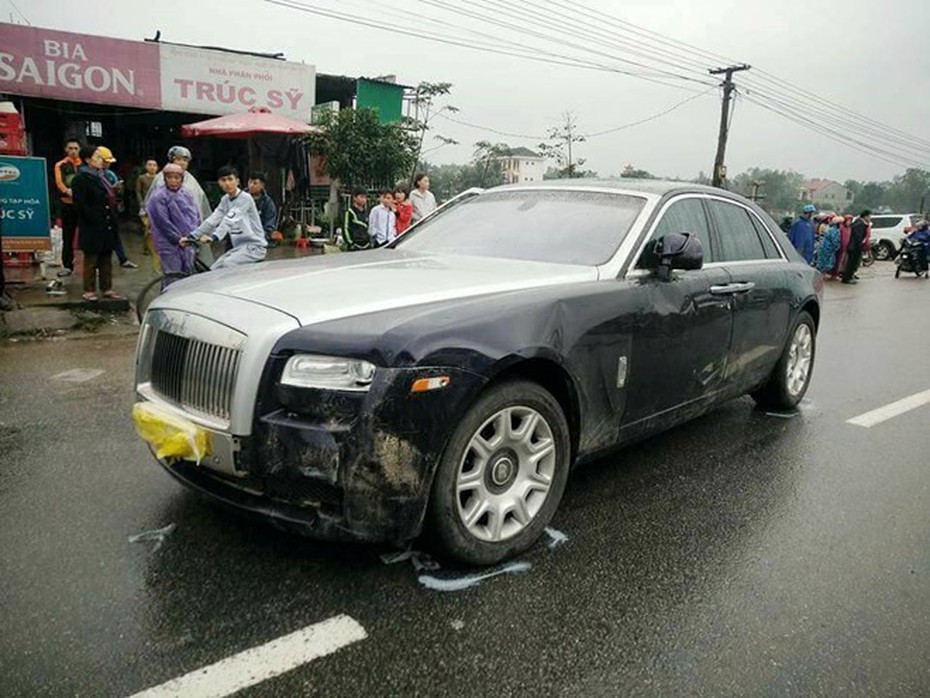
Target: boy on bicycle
237	217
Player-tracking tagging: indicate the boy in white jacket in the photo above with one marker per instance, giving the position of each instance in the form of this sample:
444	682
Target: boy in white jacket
237	217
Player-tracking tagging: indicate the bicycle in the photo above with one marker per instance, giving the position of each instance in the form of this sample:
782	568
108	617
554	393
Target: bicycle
202	261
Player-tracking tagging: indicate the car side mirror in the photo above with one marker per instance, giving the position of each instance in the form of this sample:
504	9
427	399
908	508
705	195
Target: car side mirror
676	251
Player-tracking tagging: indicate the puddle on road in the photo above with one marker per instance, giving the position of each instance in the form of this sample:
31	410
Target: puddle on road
77	375
422	562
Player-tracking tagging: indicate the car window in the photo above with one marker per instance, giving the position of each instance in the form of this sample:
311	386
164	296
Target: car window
543	225
683	216
886	221
736	234
771	249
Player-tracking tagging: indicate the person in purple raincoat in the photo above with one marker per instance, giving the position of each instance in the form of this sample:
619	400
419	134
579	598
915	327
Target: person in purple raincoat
173	214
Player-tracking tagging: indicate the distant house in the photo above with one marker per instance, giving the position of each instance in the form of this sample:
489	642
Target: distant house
826	193
522	165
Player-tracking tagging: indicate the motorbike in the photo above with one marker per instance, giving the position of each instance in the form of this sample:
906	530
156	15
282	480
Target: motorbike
911	258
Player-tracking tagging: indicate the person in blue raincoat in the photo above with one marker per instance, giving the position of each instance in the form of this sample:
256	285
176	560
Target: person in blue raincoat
802	233
829	247
921	234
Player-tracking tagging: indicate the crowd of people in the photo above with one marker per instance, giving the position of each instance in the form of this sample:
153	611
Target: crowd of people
836	243
174	209
391	217
832	243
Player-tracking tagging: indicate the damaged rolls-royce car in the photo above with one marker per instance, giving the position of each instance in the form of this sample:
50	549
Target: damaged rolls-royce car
446	384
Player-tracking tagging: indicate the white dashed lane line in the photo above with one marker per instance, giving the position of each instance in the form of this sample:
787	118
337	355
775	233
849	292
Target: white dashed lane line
895	409
261	663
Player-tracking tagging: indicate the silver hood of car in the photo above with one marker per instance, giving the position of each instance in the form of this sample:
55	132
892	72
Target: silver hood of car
329	287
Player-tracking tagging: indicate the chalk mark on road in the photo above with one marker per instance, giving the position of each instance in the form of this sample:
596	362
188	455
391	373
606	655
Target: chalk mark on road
264	662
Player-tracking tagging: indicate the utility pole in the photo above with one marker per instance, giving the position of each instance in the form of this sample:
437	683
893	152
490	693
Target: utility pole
720	169
756	197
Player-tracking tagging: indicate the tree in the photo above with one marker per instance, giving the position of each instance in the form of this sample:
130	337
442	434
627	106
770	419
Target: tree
560	147
779	191
702	178
359	150
488	158
907	191
872	195
630	173
426	107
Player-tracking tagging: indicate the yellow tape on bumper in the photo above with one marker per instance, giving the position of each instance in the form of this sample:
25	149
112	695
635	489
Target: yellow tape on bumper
171	436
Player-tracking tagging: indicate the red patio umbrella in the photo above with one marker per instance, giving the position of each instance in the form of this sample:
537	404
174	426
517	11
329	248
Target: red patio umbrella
255	121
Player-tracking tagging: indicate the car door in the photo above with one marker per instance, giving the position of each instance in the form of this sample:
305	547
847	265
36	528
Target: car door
759	291
681	334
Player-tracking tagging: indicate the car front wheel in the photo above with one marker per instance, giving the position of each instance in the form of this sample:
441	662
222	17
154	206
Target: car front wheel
884	250
792	374
502	474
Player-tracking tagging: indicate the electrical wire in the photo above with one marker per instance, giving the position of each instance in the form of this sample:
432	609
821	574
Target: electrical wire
531	53
583	135
760	79
890	141
20	13
496	21
837	136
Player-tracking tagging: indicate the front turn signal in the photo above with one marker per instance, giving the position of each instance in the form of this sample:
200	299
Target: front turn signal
424	385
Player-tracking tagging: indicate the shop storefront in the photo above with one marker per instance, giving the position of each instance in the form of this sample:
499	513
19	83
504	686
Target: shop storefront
134	96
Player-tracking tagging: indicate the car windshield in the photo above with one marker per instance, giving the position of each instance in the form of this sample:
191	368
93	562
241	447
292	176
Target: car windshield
545	225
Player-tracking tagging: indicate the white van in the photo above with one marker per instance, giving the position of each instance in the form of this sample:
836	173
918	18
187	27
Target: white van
888	230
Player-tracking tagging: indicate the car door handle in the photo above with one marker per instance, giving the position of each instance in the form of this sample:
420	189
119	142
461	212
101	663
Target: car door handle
730	289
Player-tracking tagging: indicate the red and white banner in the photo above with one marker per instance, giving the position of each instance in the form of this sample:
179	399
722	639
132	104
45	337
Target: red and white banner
215	82
79	68
82	68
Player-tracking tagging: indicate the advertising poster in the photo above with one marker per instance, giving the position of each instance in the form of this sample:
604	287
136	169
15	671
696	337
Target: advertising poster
24	204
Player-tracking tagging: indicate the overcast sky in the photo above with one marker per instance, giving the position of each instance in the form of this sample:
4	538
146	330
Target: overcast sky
871	56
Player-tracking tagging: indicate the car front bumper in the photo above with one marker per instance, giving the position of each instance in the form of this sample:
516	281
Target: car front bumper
337	466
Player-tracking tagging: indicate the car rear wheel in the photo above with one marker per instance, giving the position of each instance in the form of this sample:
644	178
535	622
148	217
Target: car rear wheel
792	374
502	474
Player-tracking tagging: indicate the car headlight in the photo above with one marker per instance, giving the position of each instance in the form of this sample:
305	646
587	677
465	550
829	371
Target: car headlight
327	372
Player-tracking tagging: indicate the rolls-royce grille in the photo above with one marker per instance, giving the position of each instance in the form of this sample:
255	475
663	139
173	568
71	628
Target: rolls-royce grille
194	375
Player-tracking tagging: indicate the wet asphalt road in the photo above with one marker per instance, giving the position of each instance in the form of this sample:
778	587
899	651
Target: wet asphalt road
739	554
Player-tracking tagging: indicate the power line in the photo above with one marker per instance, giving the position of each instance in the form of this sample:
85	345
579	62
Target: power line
505	11
492	130
535	55
650	118
854	144
876	132
584	135
20	13
437	38
879	129
557	21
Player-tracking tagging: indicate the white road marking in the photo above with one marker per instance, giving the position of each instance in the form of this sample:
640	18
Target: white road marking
895	409
260	663
78	375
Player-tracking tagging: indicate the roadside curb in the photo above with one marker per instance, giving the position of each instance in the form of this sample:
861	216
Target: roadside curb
69	320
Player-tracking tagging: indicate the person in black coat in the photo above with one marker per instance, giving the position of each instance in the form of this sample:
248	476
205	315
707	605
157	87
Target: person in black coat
857	238
95	204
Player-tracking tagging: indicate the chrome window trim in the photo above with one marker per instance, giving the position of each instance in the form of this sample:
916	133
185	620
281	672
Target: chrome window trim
632	272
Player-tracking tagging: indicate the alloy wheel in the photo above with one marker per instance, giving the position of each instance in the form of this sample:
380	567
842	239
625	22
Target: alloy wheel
800	356
505	474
